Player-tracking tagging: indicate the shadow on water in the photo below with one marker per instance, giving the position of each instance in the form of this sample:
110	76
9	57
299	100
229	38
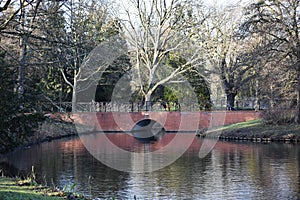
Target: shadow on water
9	170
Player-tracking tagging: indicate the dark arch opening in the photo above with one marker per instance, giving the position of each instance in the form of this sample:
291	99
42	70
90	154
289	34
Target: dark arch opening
148	130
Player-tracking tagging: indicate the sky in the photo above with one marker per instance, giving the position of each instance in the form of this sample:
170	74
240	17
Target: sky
210	2
224	2
215	3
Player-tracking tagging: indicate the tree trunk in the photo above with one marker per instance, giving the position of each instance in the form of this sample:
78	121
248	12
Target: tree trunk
256	104
74	96
230	100
22	59
21	72
297	115
148	102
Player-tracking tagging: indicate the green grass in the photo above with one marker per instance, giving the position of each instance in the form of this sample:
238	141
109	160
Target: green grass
240	125
256	129
11	189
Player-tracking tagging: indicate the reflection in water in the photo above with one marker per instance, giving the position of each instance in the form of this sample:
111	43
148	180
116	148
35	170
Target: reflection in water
125	153
148	130
230	171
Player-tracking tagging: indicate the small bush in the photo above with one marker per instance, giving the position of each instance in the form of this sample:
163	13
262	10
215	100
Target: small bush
278	116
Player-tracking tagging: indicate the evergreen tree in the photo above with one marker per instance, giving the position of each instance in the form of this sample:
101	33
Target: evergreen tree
15	124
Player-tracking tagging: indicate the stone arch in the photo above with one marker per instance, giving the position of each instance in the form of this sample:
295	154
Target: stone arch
148	130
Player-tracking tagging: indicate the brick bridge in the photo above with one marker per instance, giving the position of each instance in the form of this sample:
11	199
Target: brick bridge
171	121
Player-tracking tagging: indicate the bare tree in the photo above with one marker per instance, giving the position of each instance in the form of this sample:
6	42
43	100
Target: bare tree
8	12
18	20
228	56
156	30
86	24
279	20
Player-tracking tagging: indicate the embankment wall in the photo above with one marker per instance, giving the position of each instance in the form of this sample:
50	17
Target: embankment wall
172	121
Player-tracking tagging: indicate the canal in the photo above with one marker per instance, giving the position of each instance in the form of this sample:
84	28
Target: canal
232	170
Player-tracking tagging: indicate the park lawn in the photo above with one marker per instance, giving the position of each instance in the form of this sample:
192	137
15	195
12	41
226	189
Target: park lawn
11	189
240	125
256	129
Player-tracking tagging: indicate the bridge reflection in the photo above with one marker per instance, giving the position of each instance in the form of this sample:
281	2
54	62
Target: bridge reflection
23	160
127	142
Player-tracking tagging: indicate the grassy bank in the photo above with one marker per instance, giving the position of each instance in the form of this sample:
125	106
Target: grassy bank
257	131
16	189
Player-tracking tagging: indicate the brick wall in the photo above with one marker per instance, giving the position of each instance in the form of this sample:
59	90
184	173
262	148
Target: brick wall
172	121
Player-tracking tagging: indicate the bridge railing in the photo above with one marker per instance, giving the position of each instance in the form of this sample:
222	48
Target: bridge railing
157	106
134	106
119	107
250	104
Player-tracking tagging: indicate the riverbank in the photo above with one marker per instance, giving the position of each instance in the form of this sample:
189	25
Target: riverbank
253	130
15	189
256	131
50	129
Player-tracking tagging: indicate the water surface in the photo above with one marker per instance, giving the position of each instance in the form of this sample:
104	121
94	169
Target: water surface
232	170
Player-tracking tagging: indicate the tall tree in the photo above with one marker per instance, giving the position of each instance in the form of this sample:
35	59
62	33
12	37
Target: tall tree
226	54
18	21
15	125
280	21
77	27
156	30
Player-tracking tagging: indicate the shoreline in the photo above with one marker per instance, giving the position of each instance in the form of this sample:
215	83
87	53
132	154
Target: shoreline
256	131
16	188
253	130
